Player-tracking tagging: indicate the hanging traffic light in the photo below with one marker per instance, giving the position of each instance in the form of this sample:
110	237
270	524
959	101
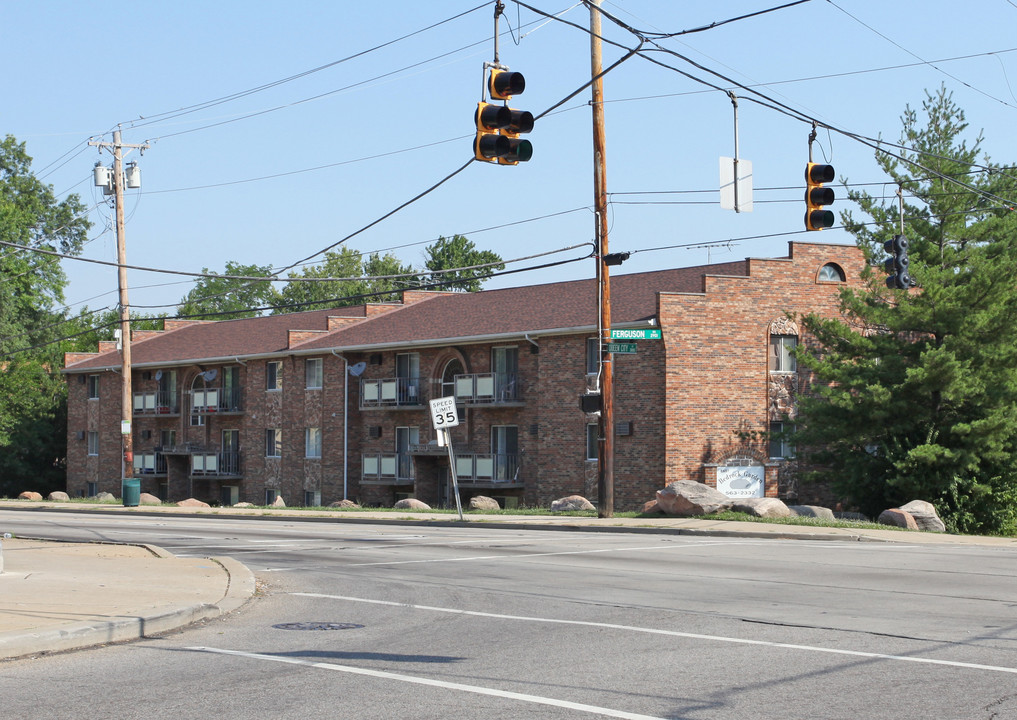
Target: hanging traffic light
897	264
499	126
816	196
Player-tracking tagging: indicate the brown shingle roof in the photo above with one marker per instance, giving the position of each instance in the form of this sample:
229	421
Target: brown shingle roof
442	316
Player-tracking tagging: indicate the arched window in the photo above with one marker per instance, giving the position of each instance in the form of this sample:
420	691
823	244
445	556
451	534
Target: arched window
831	272
448	377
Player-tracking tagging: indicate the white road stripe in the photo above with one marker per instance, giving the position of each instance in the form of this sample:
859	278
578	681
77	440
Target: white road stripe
672	633
606	712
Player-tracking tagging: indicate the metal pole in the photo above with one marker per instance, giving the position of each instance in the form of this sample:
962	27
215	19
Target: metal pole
126	397
734	102
452	470
605	479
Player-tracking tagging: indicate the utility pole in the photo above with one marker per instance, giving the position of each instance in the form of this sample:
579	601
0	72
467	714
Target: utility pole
126	396
605	477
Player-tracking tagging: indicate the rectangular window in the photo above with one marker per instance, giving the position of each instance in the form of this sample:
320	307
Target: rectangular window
312	498
312	442
273	442
505	449
273	375
312	373
780	446
592	356
93	443
592	441
782	357
93	387
270	495
167	438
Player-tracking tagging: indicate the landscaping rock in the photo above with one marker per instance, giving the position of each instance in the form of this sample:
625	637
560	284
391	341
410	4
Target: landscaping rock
105	497
925	515
348	504
652	508
571	503
411	504
192	502
58	496
278	502
685	498
30	495
482	502
813	511
762	507
148	499
897	518
244	505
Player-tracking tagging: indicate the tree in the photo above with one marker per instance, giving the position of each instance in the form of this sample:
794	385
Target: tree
223	298
356	281
458	252
32	394
915	393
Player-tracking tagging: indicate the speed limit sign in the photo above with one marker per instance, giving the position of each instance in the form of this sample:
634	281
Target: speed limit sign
444	413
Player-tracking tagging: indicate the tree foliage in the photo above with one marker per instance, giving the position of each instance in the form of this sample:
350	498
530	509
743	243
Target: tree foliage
224	298
470	266
916	391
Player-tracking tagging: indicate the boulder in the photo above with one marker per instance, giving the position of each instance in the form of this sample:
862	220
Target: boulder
347	504
105	497
244	505
762	507
897	518
571	503
812	511
192	503
685	498
651	508
58	496
411	504
148	499
925	515
30	495
482	502
278	502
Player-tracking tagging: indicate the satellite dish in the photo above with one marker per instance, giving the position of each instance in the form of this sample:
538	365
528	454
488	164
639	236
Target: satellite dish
158	375
358	369
210	375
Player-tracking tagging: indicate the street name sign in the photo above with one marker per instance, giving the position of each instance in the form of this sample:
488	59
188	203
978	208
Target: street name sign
628	348
636	334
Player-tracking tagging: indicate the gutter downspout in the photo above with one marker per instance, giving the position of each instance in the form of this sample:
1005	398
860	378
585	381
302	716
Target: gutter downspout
346	415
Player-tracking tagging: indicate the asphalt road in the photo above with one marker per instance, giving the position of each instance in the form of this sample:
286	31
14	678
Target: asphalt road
380	621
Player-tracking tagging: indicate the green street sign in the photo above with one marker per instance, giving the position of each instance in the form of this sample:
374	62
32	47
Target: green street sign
629	348
636	334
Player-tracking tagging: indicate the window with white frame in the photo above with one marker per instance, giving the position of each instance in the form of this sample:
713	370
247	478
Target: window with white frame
273	375
273	442
782	357
312	442
93	387
780	444
93	443
592	441
312	373
592	356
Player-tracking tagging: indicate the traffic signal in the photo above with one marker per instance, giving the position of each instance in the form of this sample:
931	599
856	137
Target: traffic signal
897	264
499	126
816	196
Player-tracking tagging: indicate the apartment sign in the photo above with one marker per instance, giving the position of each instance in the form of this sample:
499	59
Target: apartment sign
741	481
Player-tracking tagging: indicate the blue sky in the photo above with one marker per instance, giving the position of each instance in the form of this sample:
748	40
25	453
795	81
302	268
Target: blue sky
276	175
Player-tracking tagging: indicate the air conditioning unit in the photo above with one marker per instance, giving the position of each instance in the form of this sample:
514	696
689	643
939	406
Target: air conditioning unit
374	431
375	359
623	428
81	434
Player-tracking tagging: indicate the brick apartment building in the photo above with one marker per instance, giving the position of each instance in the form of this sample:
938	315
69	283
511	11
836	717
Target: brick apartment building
327	404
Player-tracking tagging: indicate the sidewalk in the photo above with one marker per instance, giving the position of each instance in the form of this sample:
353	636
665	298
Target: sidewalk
61	596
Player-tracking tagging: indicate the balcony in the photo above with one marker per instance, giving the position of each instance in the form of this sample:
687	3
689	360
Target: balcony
216	464
488	470
149	463
156	403
215	400
487	389
387	468
391	392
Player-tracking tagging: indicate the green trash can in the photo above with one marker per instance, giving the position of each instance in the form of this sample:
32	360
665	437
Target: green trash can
131	492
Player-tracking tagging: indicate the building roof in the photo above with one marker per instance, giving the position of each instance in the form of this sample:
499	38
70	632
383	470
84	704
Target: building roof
429	318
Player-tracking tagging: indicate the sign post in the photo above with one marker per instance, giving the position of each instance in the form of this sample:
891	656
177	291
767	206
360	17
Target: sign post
445	415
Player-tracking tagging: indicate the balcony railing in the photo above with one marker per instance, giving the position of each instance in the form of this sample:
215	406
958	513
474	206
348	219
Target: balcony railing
487	467
215	463
487	388
155	403
149	463
213	400
393	467
391	392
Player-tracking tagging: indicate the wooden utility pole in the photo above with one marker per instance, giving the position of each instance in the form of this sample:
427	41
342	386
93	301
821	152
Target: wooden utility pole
126	391
605	478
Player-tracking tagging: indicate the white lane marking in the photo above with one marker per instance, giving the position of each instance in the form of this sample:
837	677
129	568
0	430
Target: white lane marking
672	546
607	712
671	633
